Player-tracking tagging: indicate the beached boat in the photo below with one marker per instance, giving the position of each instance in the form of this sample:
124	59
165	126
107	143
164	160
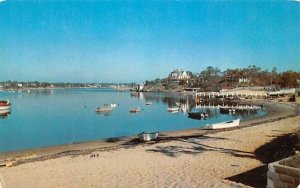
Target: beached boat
197	115
223	125
105	108
134	110
5	104
145	136
174	109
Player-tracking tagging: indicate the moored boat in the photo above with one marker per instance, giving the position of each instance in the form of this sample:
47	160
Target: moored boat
134	110
114	105
105	108
223	125
148	136
197	115
5	104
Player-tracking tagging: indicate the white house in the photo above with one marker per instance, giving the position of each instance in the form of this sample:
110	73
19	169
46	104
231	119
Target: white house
178	75
244	80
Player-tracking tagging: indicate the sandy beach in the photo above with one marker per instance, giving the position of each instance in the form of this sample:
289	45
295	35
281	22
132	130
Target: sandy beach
184	159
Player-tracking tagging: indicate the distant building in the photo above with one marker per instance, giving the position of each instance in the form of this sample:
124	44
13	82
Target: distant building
244	80
20	85
178	75
32	85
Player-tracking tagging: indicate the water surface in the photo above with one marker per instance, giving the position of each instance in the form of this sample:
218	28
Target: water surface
61	116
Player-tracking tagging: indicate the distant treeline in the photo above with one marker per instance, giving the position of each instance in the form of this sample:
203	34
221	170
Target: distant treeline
213	79
36	84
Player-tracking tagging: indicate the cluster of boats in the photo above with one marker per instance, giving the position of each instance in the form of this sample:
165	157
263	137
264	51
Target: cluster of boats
5	107
106	108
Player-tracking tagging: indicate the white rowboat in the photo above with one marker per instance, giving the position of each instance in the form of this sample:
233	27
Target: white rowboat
223	125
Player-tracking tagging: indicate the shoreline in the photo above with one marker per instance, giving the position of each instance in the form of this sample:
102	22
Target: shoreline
275	112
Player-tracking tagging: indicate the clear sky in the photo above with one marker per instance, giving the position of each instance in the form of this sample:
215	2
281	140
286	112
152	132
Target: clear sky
131	41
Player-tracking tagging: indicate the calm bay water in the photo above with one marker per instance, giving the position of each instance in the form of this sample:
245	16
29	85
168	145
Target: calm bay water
61	116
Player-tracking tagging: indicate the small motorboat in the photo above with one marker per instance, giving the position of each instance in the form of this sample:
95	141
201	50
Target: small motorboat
148	103
134	110
114	105
105	108
197	115
5	104
223	125
148	136
174	109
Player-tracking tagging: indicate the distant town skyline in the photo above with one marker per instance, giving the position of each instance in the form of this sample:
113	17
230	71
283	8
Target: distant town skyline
133	41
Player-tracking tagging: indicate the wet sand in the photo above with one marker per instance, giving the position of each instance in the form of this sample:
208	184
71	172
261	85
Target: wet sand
190	158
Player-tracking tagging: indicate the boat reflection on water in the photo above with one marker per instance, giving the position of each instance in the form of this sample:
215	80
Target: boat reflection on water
4	113
104	113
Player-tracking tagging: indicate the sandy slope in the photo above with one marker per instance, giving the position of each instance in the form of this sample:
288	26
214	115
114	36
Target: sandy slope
195	162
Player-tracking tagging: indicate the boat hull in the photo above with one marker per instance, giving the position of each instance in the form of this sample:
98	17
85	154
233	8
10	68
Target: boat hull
104	109
135	110
197	115
4	113
5	107
224	125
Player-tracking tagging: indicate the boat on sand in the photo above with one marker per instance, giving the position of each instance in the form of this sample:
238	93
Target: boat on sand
223	125
148	136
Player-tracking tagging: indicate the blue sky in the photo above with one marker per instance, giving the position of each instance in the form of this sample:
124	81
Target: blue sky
131	41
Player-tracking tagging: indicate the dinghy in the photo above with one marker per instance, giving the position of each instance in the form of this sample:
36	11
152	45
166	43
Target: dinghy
144	136
223	125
